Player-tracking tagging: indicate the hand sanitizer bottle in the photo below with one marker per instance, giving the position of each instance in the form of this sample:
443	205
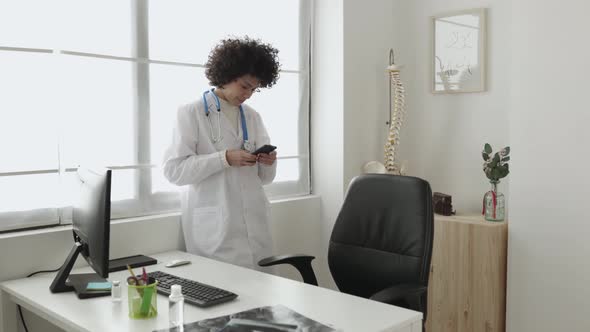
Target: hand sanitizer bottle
176	306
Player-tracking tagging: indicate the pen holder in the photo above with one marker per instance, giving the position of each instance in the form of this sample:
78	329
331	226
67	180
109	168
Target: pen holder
143	300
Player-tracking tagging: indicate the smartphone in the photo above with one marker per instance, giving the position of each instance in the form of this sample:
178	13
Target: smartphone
265	149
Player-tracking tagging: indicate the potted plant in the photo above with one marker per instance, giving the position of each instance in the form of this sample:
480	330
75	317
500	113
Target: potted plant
495	167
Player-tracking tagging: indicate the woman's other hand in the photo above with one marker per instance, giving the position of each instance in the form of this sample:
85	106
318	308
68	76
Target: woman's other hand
240	158
267	158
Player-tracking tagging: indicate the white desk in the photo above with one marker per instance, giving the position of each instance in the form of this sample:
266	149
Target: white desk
254	289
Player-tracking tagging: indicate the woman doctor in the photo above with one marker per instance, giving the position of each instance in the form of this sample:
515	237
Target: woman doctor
225	212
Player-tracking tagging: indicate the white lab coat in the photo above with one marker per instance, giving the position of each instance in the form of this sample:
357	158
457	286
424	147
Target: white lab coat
225	211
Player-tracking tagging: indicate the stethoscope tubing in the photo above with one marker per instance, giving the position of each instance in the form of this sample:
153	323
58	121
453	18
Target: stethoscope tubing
206	105
218	104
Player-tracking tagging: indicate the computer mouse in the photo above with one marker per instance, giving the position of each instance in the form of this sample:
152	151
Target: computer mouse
177	262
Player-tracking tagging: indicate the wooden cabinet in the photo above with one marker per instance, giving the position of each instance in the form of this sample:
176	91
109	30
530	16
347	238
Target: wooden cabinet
467	286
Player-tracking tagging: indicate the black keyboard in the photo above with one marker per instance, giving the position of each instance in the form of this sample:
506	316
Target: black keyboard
194	292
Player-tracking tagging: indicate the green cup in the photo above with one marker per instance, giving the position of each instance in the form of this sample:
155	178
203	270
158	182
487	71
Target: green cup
143	300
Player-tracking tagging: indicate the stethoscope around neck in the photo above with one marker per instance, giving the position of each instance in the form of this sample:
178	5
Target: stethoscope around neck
218	138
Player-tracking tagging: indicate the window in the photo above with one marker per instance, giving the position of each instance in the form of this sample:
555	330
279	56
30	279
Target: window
99	83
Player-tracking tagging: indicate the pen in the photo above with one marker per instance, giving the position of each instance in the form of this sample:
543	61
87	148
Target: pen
144	276
131	271
138	282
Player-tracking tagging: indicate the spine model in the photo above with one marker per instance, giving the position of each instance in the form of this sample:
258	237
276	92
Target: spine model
398	109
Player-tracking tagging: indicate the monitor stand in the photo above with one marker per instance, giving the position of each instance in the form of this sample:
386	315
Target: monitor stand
66	282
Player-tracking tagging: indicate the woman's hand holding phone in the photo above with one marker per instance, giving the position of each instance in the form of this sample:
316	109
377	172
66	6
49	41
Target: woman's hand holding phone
267	158
266	154
266	148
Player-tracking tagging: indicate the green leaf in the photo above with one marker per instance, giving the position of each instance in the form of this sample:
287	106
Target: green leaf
507	150
502	171
495	160
487	148
496	173
505	159
485	156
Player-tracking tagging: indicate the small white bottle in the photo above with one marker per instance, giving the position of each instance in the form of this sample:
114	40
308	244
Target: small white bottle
116	291
176	306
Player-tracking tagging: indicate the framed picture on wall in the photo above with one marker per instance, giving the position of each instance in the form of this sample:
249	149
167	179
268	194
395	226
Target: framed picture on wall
459	51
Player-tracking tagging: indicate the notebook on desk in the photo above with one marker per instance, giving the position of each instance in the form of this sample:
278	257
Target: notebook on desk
276	318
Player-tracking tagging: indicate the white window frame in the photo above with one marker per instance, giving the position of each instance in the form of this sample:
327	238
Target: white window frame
167	202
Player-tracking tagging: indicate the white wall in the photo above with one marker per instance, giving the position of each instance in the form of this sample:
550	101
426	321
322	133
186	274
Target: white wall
295	228
443	135
25	252
327	120
548	247
537	83
371	28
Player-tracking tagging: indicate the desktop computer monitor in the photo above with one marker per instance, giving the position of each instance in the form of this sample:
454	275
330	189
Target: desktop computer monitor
91	232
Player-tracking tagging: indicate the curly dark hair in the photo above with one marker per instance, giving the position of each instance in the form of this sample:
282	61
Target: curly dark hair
235	57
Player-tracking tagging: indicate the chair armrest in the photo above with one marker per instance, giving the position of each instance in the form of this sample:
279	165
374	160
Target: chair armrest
408	292
301	262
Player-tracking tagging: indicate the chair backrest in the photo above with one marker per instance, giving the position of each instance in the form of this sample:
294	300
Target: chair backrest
383	234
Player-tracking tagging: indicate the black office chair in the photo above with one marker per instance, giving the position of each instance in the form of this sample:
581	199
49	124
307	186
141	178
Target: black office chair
381	243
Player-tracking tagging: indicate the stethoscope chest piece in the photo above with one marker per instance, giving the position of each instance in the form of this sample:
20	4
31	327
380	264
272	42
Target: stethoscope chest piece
249	146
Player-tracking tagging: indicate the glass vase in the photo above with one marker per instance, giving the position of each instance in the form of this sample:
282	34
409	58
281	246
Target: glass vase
494	203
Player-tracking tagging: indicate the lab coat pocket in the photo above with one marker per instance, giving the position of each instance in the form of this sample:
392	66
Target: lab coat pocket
208	228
